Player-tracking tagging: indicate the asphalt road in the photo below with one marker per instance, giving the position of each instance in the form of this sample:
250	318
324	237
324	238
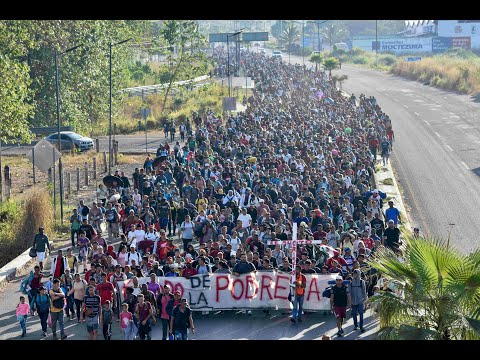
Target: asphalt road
436	153
126	144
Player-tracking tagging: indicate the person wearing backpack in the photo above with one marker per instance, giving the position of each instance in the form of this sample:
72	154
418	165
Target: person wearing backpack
340	301
42	304
359	296
181	321
57	298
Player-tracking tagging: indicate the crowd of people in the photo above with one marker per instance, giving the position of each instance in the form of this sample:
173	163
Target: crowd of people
302	152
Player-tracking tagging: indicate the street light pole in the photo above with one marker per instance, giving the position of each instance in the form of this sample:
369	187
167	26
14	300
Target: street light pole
60	165
376	42
110	152
110	118
228	59
303	42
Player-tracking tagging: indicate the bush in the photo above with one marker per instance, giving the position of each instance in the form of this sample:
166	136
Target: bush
357	52
388	60
19	222
359	60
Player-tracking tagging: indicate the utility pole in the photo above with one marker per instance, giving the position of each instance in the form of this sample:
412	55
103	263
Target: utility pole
376	42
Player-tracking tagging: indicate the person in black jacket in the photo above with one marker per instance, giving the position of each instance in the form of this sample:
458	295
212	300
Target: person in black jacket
173	302
87	229
163	301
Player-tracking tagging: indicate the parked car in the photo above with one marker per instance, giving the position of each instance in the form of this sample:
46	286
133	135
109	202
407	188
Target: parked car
67	138
277	54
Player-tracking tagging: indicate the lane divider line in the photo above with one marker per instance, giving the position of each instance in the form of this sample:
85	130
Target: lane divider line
466	166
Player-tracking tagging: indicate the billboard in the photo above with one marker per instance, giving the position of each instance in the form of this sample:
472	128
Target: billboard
461	42
404	45
441	44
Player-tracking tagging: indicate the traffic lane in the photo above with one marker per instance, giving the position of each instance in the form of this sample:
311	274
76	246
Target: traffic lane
432	175
453	116
126	143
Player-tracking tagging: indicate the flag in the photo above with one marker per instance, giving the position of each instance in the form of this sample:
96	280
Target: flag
329	250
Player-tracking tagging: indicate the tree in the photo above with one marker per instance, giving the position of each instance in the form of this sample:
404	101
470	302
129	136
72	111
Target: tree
317	59
289	36
83	73
334	33
438	292
330	64
190	60
16	105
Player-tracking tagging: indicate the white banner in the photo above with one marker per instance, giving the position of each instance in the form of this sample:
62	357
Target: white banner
260	290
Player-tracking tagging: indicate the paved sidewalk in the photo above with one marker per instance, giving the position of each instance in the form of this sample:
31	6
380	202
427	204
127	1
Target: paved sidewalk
392	191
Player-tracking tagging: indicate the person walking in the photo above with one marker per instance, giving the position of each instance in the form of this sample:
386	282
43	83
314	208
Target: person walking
57	298
107	315
78	290
340	301
359	296
181	321
23	309
126	323
93	312
144	313
162	303
40	242
300	284
42	304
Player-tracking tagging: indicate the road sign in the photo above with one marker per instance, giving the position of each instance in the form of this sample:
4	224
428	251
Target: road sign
249	36
45	155
255	36
229	104
145	112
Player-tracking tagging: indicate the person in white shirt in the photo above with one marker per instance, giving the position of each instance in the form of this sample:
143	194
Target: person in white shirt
139	233
235	241
245	218
133	255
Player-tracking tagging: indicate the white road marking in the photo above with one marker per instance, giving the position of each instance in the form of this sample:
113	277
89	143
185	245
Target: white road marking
416	113
466	166
436	133
405	106
426	122
448	147
394	99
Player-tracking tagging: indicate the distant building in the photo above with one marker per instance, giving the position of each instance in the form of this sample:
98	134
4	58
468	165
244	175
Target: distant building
425	28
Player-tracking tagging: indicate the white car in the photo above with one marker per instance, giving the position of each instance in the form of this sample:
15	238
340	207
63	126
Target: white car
277	54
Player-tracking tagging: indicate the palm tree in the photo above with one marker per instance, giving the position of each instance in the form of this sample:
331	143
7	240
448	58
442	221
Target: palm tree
289	36
334	33
438	293
330	64
317	59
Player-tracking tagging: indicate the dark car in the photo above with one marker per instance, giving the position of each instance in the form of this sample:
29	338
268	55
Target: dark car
68	138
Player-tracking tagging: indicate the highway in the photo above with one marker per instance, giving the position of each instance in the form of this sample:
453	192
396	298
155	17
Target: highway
436	153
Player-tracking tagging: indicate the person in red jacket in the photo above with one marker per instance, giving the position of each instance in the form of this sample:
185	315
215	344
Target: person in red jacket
189	269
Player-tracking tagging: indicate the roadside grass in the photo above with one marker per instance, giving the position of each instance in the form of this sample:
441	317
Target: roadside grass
456	70
387	181
20	220
179	106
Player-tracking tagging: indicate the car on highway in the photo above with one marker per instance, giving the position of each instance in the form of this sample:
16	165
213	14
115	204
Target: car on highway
67	138
277	54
